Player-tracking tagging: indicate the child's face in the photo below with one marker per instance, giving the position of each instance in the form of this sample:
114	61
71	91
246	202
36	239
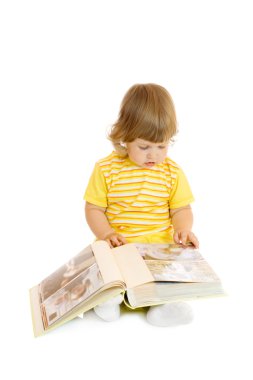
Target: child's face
145	153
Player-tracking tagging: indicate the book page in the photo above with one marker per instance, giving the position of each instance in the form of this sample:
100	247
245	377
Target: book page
179	273
132	266
108	267
70	285
173	263
76	283
106	294
38	327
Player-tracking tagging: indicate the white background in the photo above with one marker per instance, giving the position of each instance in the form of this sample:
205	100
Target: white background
65	66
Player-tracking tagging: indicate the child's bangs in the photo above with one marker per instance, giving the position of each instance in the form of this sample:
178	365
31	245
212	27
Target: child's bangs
154	133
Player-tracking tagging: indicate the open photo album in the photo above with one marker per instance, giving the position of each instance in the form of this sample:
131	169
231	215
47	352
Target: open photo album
147	274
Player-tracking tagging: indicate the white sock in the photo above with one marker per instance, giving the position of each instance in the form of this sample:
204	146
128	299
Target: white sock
171	314
109	311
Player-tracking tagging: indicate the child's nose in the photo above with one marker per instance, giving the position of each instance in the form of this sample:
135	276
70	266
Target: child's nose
150	155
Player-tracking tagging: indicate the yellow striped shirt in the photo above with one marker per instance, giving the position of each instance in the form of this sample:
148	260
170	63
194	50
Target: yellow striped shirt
138	200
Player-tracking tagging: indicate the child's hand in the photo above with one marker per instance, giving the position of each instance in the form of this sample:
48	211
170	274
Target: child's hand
185	237
115	240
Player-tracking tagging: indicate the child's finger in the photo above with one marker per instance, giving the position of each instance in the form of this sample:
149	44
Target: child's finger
194	241
184	238
176	238
109	242
122	239
116	240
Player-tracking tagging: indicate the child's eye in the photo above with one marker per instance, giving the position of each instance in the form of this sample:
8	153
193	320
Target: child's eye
161	146
143	147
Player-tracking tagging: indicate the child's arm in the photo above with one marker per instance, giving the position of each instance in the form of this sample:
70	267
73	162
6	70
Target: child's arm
182	221
100	226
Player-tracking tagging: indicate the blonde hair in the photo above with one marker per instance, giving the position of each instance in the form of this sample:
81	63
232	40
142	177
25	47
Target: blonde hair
147	112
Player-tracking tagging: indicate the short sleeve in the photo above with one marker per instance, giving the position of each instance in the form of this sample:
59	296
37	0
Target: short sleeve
96	191
181	194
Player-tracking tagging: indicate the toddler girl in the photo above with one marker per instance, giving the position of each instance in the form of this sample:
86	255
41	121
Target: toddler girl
137	193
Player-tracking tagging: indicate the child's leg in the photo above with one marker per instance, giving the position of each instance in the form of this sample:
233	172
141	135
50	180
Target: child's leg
171	314
109	311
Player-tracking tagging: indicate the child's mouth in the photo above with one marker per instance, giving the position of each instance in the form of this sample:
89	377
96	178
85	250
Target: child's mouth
150	163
